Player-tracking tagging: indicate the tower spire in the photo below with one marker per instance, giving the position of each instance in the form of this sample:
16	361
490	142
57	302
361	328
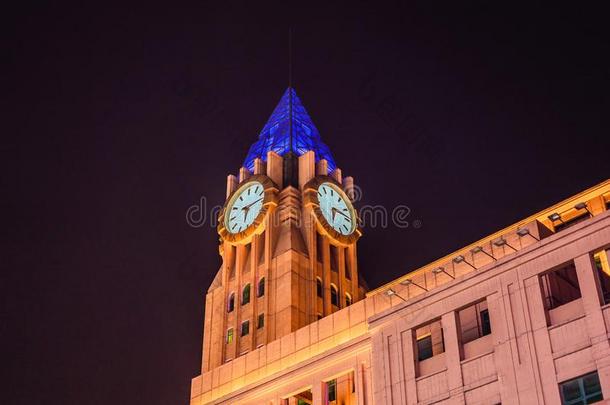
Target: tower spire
290	87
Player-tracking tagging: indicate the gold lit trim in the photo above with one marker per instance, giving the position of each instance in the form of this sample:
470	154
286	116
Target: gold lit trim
270	201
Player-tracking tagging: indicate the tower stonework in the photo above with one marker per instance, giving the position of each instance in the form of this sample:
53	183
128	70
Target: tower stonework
284	259
521	316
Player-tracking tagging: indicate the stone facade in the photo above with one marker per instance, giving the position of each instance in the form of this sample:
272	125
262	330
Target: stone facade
513	318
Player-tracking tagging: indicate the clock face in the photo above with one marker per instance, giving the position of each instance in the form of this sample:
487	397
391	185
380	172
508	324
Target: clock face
336	208
244	207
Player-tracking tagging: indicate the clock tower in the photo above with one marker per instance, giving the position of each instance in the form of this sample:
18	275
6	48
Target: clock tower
288	235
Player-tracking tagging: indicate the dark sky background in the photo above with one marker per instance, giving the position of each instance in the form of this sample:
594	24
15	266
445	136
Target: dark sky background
116	120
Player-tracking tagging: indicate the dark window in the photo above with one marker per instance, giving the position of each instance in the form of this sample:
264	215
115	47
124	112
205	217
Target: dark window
424	348
429	340
261	287
319	316
261	321
245	295
348	272
560	286
245	328
331	387
230	336
485	324
348	300
334	296
582	390
559	226
474	322
334	258
608	205
231	303
319	288
320	248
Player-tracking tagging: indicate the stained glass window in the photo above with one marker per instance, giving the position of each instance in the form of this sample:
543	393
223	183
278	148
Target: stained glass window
289	129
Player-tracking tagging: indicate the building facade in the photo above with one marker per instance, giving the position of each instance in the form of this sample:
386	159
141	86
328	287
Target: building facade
519	317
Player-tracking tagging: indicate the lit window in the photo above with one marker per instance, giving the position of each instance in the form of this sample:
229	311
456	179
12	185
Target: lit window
231	303
261	287
245	295
319	287
603	274
331	389
582	390
334	295
348	300
261	321
230	336
245	328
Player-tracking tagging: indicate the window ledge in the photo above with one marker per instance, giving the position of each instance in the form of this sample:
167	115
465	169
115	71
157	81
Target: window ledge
423	377
566	321
478	356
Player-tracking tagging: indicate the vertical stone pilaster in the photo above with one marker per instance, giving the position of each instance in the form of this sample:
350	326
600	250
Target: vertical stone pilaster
453	358
407	338
542	356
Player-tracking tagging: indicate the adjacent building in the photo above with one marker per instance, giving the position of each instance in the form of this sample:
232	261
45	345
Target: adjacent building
518	317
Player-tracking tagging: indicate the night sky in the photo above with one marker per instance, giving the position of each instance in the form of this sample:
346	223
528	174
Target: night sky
119	119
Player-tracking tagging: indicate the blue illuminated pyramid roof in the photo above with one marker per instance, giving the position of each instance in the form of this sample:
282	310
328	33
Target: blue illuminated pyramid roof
289	129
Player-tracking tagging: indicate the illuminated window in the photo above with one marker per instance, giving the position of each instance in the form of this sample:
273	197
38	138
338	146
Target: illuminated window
261	287
245	328
582	390
245	295
231	303
348	300
319	287
334	295
230	336
261	321
603	274
331	390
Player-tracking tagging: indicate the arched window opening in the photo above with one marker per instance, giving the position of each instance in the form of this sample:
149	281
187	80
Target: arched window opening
348	300
245	295
231	303
334	295
261	287
319	287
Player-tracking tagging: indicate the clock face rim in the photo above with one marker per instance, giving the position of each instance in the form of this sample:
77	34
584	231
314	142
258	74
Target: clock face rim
270	201
345	199
240	192
310	200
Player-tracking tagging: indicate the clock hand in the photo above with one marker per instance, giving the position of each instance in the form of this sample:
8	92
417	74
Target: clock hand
247	207
337	211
